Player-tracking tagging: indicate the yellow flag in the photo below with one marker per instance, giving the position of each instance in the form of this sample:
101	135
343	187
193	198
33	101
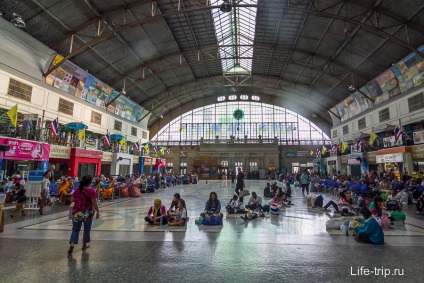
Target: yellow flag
324	149
344	146
123	143
311	153
162	151
373	137
81	135
13	115
146	147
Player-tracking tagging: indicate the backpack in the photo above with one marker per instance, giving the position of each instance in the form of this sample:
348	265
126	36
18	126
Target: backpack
265	208
319	201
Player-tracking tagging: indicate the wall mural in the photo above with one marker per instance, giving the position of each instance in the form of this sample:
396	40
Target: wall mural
401	77
77	82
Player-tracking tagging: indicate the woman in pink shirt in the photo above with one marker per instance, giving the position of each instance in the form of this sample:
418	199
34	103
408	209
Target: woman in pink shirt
85	199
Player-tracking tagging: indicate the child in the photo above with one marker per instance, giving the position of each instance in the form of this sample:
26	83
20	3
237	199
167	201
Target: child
361	201
180	217
233	206
20	202
255	214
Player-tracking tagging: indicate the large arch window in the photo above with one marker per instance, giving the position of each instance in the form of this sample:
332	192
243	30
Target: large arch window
216	122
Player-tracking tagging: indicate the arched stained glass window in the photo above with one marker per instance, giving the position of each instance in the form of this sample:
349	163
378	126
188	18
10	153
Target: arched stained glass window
260	119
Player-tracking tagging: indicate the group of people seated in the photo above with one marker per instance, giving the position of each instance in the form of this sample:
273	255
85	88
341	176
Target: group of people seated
175	216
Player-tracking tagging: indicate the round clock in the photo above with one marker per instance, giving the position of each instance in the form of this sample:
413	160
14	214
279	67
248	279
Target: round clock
238	114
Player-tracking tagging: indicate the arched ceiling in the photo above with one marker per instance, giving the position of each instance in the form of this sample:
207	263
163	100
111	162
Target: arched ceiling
306	53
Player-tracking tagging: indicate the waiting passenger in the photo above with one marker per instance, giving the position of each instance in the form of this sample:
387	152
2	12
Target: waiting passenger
371	232
254	201
279	198
174	204
180	217
342	201
233	206
376	206
267	191
255	214
156	213
213	206
393	201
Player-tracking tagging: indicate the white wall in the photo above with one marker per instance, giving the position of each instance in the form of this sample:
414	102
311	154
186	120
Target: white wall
399	116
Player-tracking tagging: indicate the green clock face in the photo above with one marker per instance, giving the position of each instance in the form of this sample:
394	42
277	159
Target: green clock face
238	114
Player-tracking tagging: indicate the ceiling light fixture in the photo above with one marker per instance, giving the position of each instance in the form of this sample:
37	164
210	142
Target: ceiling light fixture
161	116
352	88
17	21
225	6
1	14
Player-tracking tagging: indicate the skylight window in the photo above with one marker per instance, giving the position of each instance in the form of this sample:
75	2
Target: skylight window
221	98
235	32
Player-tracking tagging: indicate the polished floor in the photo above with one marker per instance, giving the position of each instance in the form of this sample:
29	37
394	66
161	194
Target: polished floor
291	247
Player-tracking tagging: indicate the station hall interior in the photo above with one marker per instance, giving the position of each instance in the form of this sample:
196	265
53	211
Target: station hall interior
155	98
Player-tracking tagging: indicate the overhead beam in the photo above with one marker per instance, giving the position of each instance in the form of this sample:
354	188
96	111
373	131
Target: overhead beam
200	9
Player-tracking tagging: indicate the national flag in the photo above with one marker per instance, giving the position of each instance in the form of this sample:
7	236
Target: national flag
324	150
373	137
168	151
344	146
311	153
54	127
13	115
162	150
137	146
146	148
81	136
123	143
155	150
398	133
358	145
106	138
334	147
318	153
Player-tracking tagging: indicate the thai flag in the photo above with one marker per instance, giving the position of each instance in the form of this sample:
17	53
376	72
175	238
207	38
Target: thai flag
106	138
168	151
358	145
318	153
398	134
155	150
137	146
334	147
54	127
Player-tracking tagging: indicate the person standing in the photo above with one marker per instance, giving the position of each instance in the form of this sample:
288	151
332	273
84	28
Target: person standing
51	170
240	183
85	199
233	176
304	181
45	189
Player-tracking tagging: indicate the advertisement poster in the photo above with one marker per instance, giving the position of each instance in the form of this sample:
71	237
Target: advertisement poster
418	137
75	81
29	150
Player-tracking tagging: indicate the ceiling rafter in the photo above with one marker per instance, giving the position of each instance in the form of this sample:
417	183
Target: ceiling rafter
200	9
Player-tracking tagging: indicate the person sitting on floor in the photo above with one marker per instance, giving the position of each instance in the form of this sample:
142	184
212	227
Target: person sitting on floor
393	201
180	217
174	204
267	191
376	206
233	206
279	198
254	201
371	232
342	200
157	213
212	207
420	205
255	214
347	209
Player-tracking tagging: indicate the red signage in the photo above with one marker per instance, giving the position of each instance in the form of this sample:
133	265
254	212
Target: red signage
79	152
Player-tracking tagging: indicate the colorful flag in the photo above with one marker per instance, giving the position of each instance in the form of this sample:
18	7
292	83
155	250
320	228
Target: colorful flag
373	137
358	145
155	150
81	136
334	147
398	133
54	127
311	153
13	115
344	146
318	153
168	151
106	138
324	150
162	150
137	146
146	148
123	143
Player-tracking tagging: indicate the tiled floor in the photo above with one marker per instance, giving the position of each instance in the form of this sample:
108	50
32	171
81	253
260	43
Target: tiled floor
291	247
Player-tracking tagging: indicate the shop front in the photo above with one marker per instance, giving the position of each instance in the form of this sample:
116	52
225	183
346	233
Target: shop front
417	155
122	164
357	164
106	163
23	156
85	162
397	160
59	157
145	165
333	164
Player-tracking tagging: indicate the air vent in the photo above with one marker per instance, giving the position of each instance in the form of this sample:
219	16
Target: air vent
362	124
416	102
20	90
384	115
66	107
96	118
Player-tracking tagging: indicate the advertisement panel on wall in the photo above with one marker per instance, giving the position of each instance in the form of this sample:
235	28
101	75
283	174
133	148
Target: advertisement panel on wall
29	150
77	82
401	77
388	158
390	141
418	137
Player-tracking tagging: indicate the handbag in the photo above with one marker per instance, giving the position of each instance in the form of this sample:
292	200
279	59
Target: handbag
244	193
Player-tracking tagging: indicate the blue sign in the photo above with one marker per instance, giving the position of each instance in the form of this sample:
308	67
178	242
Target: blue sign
35	176
290	154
